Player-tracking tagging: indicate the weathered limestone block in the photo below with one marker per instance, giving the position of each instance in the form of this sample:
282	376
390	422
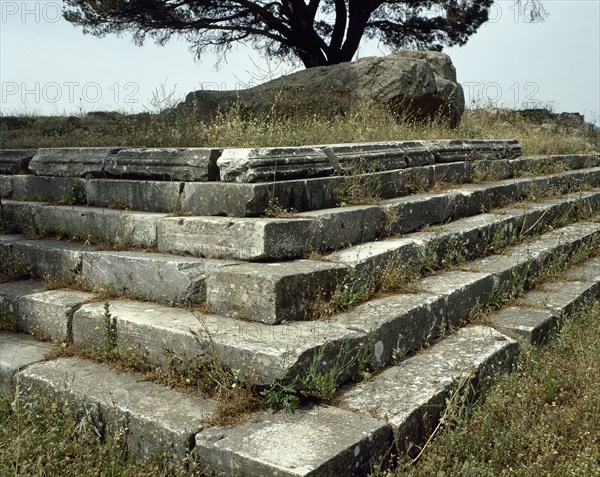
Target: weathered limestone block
453	172
149	330
536	164
169	164
235	290
587	271
512	272
278	163
236	238
157	277
48	315
270	292
149	418
457	150
151	196
463	291
332	228
226	198
86	223
412	395
563	297
260	353
13	161
274	164
528	326
45	314
17	350
66	190
71	161
398	324
318	441
535	322
368	260
6	187
251	199
467	238
270	238
10	295
416	211
50	258
473	199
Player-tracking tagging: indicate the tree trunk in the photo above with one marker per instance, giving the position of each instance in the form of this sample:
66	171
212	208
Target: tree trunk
312	59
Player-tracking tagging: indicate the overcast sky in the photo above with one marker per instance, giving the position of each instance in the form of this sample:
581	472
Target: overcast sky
47	66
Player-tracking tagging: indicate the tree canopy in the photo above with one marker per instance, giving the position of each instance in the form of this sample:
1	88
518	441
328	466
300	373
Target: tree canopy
318	32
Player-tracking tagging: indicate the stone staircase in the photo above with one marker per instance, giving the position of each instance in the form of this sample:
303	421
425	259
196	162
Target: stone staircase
369	268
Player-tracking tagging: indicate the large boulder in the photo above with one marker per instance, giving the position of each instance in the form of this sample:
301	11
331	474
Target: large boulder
418	84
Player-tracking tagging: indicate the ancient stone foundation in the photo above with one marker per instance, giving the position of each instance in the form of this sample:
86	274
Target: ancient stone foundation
288	265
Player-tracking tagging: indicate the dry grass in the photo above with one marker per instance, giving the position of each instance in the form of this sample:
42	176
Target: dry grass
363	123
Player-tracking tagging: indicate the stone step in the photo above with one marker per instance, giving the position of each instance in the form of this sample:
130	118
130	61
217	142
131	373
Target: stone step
252	199
410	397
387	326
273	292
250	165
145	417
322	441
284	163
17	350
162	278
540	311
388	414
44	258
188	164
281	238
172	279
330	229
123	228
325	440
45	314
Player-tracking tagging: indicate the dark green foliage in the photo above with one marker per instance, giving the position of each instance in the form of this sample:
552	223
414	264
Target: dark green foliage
317	32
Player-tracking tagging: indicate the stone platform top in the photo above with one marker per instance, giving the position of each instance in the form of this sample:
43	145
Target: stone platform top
247	165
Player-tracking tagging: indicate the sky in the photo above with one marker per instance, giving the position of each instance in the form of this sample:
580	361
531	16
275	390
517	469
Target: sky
48	66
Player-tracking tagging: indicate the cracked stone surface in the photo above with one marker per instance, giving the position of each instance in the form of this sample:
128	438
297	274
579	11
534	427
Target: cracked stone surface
17	350
411	394
149	417
319	441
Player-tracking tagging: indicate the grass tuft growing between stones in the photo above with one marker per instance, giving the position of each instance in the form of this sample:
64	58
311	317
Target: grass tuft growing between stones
13	268
543	419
